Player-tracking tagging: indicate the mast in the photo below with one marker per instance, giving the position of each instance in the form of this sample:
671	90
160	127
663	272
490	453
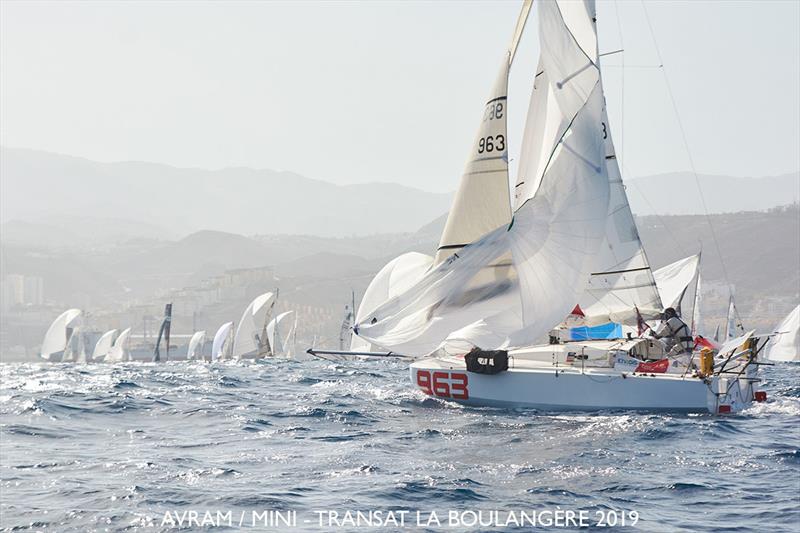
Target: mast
163	332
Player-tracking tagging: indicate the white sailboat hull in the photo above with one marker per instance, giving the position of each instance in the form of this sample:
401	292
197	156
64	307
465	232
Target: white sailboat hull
563	388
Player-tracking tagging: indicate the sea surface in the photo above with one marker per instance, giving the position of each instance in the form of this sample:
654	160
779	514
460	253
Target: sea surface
119	448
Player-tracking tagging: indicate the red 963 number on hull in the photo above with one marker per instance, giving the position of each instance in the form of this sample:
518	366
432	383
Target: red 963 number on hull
444	384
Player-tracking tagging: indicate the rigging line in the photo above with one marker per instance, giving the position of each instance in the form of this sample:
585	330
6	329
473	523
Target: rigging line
658	217
685	143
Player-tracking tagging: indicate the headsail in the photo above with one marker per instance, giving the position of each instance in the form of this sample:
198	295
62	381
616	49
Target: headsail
221	347
698	302
481	203
163	332
104	344
556	229
59	332
250	338
75	350
785	345
196	343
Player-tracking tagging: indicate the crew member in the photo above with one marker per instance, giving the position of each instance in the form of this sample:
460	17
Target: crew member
675	333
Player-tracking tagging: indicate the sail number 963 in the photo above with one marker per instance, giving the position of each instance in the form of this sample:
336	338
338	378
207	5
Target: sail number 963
491	143
443	384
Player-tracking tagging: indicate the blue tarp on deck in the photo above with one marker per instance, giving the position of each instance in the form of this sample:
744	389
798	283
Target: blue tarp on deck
610	330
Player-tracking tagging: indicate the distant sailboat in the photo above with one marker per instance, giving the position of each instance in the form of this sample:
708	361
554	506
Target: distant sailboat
222	346
733	325
280	332
120	351
59	332
163	332
785	345
346	329
75	351
104	344
250	340
196	343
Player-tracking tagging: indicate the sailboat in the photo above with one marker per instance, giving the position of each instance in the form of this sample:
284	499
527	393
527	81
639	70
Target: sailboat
163	333
58	334
75	350
120	351
250	340
223	342
196	343
785	344
733	324
103	345
503	277
280	333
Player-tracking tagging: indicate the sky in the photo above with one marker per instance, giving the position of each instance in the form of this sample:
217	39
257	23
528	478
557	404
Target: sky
353	92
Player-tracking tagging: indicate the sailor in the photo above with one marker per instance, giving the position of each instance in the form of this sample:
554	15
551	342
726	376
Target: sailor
676	335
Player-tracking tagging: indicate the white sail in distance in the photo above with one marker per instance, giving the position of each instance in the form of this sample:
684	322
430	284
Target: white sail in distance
196	343
103	345
57	335
280	331
556	229
121	350
248	339
221	347
696	308
785	345
75	350
733	326
673	280
481	203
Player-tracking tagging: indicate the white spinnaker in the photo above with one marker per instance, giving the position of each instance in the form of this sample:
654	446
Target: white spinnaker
196	343
675	278
557	227
481	203
696	308
279	333
55	340
393	279
785	345
251	326
221	347
121	350
104	344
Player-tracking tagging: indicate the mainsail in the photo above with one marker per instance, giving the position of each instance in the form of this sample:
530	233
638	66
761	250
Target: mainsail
556	228
221	347
785	345
346	330
481	203
163	332
250	335
59	332
196	343
120	351
75	350
104	344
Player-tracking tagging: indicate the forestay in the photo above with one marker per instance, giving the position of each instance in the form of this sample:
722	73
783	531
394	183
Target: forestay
556	229
785	345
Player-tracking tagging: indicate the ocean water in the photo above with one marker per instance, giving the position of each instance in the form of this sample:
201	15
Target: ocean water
119	448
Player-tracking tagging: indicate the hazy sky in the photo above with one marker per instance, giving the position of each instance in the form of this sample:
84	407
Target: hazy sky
383	91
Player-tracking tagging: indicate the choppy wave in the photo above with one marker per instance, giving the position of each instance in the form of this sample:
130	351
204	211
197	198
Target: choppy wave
112	447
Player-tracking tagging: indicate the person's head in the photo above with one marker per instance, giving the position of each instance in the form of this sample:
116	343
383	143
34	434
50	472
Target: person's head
669	312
